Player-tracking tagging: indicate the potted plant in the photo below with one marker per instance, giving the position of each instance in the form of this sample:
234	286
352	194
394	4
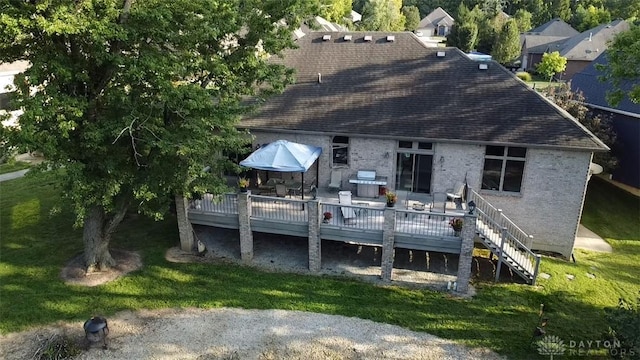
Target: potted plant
326	217
243	184
456	224
391	198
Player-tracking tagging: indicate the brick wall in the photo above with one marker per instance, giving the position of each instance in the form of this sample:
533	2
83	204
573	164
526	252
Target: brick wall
548	207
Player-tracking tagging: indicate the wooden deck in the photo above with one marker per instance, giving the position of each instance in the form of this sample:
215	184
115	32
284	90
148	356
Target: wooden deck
367	221
413	229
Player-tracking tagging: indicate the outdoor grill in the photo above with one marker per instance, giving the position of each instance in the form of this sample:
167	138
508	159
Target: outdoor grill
96	330
368	183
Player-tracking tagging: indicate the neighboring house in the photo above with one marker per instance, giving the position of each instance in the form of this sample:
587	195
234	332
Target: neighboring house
437	23
355	17
427	118
547	37
580	50
7	73
625	120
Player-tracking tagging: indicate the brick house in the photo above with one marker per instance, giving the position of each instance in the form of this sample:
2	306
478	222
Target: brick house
427	118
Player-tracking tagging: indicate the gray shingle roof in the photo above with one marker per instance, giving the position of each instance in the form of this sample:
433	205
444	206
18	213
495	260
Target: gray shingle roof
595	91
539	44
403	90
436	17
554	27
590	44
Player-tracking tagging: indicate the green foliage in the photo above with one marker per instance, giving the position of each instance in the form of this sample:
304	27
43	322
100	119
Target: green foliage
624	327
134	102
551	64
561	9
586	18
524	76
382	15
523	19
463	36
623	69
335	10
573	103
412	17
507	46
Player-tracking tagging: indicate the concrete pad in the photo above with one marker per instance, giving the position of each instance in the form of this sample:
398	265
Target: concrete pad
588	240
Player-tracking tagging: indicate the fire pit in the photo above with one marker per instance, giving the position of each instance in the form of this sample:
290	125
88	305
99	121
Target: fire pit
96	330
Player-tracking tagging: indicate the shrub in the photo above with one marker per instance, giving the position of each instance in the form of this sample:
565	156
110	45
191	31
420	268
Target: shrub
524	76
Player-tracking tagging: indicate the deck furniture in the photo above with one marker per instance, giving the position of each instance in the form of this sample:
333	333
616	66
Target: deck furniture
336	180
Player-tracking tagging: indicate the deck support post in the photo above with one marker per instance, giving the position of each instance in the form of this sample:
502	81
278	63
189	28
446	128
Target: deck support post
388	239
315	262
246	235
468	233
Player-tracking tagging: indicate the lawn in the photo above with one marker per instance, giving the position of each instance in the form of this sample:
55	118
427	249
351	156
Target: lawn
13	166
37	242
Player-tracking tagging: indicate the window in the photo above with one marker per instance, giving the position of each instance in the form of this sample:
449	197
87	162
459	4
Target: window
340	150
503	168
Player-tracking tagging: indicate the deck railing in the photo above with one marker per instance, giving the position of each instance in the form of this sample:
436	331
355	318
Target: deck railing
425	223
501	220
269	207
366	218
224	203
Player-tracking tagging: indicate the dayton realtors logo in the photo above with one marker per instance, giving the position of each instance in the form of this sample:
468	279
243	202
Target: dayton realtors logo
551	346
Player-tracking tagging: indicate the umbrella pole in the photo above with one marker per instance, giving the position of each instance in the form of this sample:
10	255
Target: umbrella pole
302	190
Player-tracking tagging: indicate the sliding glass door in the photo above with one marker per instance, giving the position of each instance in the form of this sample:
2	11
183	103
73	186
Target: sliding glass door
413	172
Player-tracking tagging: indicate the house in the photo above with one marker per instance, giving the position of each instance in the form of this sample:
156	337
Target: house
580	50
437	23
427	118
547	37
625	120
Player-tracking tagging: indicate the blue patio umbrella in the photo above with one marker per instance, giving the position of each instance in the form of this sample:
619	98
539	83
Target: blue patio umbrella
283	156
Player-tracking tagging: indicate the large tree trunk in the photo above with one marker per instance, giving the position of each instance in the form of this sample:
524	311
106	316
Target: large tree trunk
184	226
96	235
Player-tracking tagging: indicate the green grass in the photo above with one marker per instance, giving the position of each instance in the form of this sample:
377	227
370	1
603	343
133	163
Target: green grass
36	244
14	166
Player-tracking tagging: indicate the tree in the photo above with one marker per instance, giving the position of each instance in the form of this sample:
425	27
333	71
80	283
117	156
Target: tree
551	64
524	20
382	15
134	97
463	36
623	69
573	103
585	19
335	10
507	47
412	16
561	9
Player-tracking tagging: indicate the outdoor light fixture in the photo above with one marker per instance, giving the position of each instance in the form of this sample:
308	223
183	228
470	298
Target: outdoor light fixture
472	207
96	330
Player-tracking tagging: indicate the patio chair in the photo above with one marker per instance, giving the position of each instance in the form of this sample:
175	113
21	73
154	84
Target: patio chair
336	180
281	190
455	194
348	213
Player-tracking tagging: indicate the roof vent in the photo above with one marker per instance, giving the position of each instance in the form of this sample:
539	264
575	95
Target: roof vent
347	38
483	66
368	38
391	38
440	54
319	78
326	37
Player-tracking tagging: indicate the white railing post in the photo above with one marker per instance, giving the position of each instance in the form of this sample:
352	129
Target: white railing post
536	269
503	237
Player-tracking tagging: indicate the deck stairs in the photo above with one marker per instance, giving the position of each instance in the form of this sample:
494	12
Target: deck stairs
505	240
